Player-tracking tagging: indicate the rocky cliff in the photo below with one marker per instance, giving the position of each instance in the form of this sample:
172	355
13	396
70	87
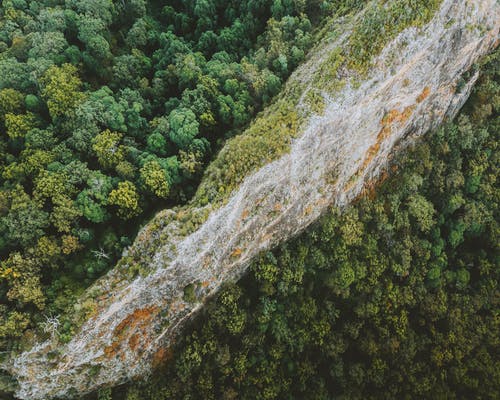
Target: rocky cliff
350	121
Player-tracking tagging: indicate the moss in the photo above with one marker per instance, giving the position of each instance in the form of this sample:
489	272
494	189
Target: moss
135	269
326	76
449	23
51	355
190	293
315	101
94	370
268	138
381	22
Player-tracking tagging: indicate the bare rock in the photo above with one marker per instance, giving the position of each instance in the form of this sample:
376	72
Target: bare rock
410	89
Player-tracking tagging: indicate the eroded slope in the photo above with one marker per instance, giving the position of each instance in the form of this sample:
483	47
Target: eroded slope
342	139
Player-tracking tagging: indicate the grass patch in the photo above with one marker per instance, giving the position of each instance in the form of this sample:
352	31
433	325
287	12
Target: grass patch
383	21
268	138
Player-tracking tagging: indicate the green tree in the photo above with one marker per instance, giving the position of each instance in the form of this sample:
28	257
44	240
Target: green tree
183	127
126	198
61	89
155	178
19	125
65	214
11	101
25	221
108	149
422	210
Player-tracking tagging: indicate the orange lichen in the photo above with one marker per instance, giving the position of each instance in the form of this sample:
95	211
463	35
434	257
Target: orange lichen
245	214
136	322
236	252
111	350
393	116
425	93
133	341
389	119
278	207
139	318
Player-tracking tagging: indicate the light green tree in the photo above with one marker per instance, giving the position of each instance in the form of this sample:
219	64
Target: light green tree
107	148
126	198
155	178
60	88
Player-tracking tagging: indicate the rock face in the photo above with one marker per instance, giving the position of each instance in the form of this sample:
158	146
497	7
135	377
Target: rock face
412	86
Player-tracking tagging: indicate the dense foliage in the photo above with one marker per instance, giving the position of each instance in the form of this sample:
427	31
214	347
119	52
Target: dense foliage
111	110
395	297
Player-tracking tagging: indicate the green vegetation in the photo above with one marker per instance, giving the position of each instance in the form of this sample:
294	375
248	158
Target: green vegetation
395	297
381	22
267	138
110	111
190	293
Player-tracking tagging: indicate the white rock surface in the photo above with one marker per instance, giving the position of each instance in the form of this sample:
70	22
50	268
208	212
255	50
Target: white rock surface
329	163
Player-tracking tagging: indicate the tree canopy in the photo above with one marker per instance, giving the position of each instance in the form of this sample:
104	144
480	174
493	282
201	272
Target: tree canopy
110	111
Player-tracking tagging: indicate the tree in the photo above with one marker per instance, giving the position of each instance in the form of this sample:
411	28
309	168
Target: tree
93	200
69	244
12	324
101	9
47	251
26	221
108	149
102	110
22	273
64	214
90	208
51	185
139	34
422	210
126	198
130	70
11	101
157	144
156	179
61	89
134	8
183	127
18	125
15	75
48	45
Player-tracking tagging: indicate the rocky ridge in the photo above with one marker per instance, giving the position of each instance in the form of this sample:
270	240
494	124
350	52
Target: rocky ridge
421	77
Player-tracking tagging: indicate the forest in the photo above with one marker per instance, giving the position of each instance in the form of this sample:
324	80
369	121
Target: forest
112	110
395	297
